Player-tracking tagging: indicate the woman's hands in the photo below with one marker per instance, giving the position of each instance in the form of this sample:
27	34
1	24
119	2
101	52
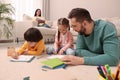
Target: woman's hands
40	20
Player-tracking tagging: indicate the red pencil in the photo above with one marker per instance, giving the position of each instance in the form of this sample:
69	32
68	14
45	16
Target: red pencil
117	73
109	77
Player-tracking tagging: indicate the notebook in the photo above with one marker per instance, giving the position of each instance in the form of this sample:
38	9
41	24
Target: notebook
23	58
55	56
52	63
61	66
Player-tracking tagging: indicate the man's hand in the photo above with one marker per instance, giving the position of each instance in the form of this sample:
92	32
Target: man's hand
73	60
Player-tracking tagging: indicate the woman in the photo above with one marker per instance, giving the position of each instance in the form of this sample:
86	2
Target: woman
40	19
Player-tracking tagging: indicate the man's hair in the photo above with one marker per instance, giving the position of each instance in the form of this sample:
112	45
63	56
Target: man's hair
33	35
80	14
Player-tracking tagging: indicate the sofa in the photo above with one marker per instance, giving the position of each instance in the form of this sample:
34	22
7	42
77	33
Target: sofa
28	22
49	33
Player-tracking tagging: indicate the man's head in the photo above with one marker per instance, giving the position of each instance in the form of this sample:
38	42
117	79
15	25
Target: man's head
80	19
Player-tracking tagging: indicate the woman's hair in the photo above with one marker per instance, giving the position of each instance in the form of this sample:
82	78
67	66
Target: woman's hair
80	14
36	12
64	22
33	35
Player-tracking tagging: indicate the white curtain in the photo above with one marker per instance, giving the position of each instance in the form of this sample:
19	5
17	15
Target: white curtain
5	1
25	7
46	9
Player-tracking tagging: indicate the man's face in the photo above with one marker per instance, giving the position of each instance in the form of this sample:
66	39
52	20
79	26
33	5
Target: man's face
78	27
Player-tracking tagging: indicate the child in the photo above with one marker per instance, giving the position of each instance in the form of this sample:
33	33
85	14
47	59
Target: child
34	44
63	39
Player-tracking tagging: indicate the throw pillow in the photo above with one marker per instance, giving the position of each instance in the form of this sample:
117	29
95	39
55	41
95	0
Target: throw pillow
26	17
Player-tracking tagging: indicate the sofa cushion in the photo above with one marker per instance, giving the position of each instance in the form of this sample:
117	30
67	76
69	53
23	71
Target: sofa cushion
54	25
48	34
46	31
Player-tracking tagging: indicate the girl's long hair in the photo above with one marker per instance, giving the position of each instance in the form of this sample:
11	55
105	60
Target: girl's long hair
36	12
63	21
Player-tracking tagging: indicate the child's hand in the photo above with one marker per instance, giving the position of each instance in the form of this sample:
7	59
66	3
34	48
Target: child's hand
61	52
10	51
15	55
59	43
55	52
25	52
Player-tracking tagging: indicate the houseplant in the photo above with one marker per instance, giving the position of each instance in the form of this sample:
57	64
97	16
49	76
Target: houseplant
6	21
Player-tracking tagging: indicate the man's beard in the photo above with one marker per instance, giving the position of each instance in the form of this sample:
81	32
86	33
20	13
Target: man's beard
82	31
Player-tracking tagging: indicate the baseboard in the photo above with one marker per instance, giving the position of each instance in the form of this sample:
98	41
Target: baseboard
6	41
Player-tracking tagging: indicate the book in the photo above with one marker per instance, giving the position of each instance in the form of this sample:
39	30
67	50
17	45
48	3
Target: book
23	58
26	78
55	56
52	63
61	66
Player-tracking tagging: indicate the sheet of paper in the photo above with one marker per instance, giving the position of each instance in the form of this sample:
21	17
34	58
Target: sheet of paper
23	58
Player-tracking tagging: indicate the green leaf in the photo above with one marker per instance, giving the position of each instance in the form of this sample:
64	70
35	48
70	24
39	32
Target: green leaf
6	10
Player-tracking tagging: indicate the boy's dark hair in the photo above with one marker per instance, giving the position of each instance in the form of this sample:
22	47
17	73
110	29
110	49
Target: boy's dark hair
80	14
63	21
33	35
36	12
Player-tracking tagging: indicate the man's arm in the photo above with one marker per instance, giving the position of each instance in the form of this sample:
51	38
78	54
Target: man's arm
81	48
110	47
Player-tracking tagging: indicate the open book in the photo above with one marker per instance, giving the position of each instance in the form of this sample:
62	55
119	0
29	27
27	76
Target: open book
23	58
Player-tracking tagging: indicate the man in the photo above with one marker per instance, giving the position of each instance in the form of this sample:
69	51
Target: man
97	42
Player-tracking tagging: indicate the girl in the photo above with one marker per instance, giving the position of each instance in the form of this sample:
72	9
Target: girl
63	39
34	44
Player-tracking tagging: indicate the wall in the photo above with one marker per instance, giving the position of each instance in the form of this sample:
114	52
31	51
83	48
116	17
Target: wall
97	8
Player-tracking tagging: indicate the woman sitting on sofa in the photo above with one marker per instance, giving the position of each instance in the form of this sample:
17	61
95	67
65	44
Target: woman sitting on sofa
40	19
